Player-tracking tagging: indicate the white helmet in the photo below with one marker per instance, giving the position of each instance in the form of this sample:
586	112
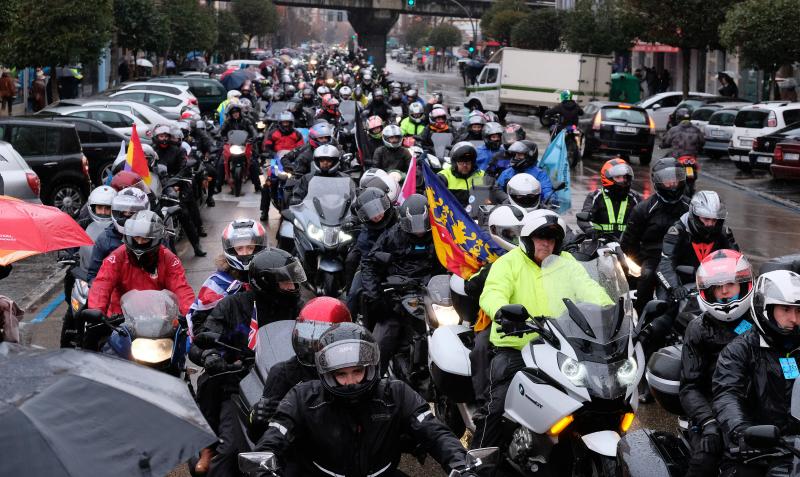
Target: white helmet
234	93
389	131
719	268
545	224
524	191
382	180
102	195
779	287
345	93
505	225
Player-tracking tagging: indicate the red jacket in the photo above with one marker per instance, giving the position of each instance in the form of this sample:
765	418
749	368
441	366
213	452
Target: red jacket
119	274
277	141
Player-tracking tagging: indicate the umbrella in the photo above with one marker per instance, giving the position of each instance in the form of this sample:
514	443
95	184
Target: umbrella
30	229
143	62
194	54
73	413
235	79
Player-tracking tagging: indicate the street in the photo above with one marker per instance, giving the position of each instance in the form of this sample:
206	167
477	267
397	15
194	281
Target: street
764	216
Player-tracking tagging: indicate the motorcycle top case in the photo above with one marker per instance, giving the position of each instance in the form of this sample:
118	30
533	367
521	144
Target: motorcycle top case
450	364
664	377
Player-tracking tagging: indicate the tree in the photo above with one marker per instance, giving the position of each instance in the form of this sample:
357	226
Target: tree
139	25
599	28
540	30
191	26
56	32
256	17
444	35
764	40
416	34
686	24
501	28
229	34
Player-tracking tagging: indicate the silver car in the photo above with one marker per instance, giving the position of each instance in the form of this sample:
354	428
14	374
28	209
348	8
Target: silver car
17	179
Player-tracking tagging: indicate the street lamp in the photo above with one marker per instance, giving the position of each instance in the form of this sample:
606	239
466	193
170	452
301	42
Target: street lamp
471	21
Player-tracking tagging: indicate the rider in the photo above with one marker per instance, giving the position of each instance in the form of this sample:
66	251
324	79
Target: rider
568	109
648	223
492	144
330	111
236	121
725	282
752	382
525	192
473	129
521	277
378	106
692	238
374	139
350	421
299	160
326	164
413	97
232	97
462	175
685	139
524	160
502	159
283	138
438	124
610	205
307	100
414	123
169	154
142	263
392	156
406	250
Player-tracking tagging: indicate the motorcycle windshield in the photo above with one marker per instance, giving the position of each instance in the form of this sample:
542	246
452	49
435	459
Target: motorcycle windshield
348	110
150	313
441	141
275	109
237	138
328	198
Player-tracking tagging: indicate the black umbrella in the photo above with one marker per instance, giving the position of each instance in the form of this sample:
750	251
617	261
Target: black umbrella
74	413
235	79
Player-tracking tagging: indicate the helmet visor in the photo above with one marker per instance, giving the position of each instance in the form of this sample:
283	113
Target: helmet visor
669	177
293	272
144	227
415	224
509	233
619	170
346	354
245	234
373	209
305	339
525	200
723	270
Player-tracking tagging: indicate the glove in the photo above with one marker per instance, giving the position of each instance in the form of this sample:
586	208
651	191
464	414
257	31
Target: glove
259	416
711	440
213	362
679	293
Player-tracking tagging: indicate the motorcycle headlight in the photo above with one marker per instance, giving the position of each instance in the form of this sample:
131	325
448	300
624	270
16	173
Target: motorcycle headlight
626	374
145	350
574	371
315	232
237	150
344	237
634	269
261	125
446	315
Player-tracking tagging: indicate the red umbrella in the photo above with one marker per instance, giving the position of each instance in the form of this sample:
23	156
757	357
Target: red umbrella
30	229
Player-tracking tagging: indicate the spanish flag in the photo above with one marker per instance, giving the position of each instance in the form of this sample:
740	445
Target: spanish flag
461	245
135	160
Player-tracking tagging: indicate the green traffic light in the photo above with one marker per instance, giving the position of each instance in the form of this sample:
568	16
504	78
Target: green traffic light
471	49
411	3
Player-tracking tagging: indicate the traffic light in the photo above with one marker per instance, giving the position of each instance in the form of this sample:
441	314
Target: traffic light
411	3
471	47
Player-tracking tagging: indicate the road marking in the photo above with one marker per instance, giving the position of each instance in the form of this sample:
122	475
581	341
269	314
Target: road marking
45	312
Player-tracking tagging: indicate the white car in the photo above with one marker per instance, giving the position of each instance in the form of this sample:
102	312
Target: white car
661	105
758	120
718	131
176	89
242	64
168	102
120	121
17	179
151	115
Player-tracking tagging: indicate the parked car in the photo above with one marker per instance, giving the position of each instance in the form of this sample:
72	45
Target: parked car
120	121
718	132
166	101
661	105
757	120
610	127
151	115
176	89
52	149
786	162
17	179
209	92
764	146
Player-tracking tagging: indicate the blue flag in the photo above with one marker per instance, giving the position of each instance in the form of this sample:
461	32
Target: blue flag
555	161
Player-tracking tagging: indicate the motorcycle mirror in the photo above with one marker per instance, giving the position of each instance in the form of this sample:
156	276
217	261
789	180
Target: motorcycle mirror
583	216
685	269
482	457
515	313
252	463
206	339
762	437
92	316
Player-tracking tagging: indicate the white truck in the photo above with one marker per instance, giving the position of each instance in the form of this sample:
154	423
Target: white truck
528	82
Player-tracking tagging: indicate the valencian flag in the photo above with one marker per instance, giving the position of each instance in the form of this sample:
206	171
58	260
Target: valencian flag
135	160
461	246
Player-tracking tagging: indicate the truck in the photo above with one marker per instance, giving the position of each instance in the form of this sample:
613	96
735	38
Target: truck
528	82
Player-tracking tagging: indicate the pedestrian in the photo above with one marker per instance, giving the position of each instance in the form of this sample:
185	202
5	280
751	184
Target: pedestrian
171	69
664	81
39	92
651	78
124	71
8	91
728	89
640	76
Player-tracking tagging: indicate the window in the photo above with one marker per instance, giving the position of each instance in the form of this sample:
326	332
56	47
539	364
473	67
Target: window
491	75
112	119
631	116
70	144
164	89
703	114
85	132
589	110
80	114
751	119
28	140
161	100
131	96
791	116
722	118
140	117
670	101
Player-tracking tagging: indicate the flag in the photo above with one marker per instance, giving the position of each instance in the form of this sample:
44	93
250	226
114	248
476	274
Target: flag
122	154
555	161
461	246
361	139
252	335
410	184
135	160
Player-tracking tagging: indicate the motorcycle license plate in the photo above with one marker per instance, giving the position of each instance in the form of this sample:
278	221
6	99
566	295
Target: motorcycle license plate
791	156
625	129
690	172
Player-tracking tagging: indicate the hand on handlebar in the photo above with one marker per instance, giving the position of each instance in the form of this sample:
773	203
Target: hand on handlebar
679	293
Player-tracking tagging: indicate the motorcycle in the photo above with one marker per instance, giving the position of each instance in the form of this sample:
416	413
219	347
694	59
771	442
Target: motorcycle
237	153
320	239
572	139
441	143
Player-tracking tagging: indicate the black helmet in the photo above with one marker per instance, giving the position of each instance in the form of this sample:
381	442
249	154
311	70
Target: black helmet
142	238
414	215
706	205
682	114
530	151
669	179
347	345
272	266
463	151
373	203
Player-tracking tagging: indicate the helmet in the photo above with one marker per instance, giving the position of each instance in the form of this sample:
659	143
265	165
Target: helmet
391	131
184	127
319	131
513	133
524	191
529	151
125	204
411	95
706	205
682	114
150	153
323	90
490	129
378	93
345	92
330	105
565	95
476	118
102	195
669	179
283	118
416	112
316	317
358	91
273	266
779	287
289	90
346	345
176	133
330	152
158	131
234	108
505	225
463	151
542	224
367	78
414	215
234	94
308	94
147	225
612	170
267	95
437	113
396	97
720	268
125	179
374	122
373	203
395	86
380	179
242	232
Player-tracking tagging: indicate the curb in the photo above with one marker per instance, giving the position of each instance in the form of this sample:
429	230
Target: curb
764	195
38	295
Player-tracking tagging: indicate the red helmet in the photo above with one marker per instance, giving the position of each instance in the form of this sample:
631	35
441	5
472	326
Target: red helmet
614	168
315	318
721	269
331	105
124	179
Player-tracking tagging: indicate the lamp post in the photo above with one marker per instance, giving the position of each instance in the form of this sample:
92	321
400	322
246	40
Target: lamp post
471	22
